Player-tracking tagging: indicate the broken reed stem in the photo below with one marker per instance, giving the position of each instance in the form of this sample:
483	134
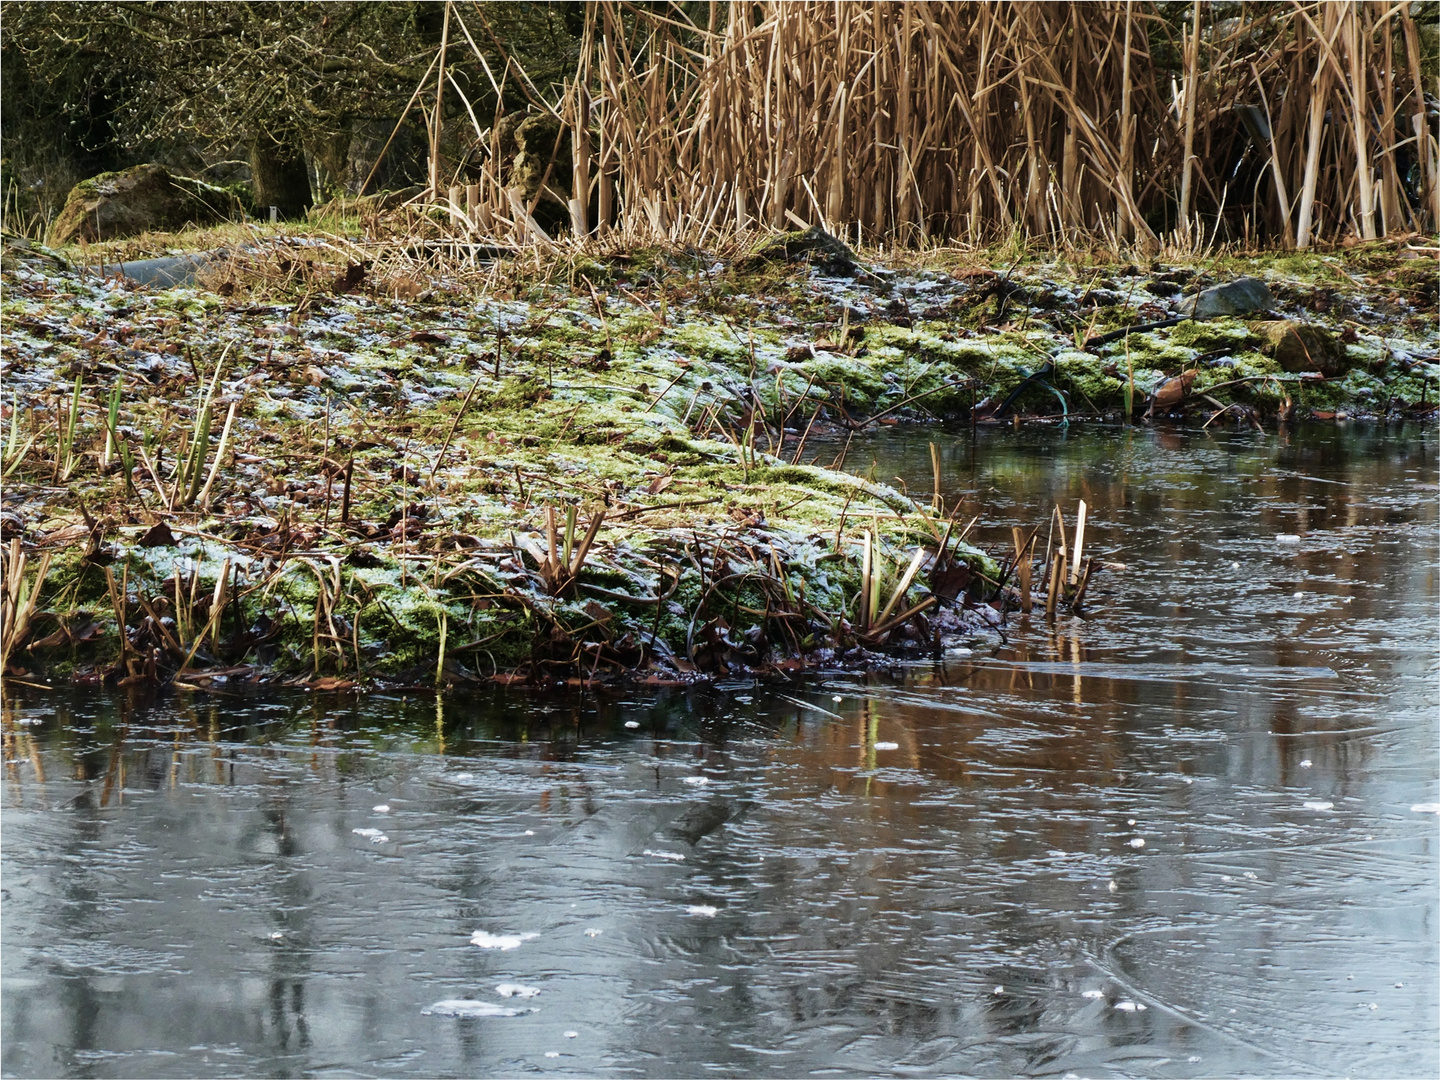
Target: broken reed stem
118	605
345	495
935	469
219	455
217	607
1026	568
865	573
905	581
1052	594
440	657
19	599
1079	598
583	550
1079	541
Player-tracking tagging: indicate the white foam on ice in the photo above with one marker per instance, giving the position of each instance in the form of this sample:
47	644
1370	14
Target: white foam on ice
515	990
466	1009
503	942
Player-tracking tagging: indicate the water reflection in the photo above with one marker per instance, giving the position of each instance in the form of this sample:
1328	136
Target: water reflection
1172	839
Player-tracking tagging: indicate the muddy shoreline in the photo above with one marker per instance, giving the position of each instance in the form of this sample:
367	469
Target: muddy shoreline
308	467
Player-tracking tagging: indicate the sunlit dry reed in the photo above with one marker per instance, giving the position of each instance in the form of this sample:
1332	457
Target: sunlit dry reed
916	122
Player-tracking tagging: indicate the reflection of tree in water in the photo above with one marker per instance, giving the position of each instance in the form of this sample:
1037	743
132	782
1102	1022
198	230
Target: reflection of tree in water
291	904
287	1018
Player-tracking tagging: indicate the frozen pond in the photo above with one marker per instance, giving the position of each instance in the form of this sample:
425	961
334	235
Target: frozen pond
1191	835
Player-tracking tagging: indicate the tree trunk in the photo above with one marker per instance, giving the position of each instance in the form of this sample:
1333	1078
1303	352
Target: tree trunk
280	177
331	155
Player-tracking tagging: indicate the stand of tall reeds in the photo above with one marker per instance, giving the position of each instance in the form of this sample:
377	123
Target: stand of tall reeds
912	122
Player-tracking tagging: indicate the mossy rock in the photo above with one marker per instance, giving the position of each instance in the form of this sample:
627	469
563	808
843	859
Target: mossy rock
1300	347
813	245
534	145
143	198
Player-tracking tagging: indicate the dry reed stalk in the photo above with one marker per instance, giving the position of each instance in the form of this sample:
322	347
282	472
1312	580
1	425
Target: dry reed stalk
915	121
1027	561
1319	92
905	580
18	599
866	572
1079	541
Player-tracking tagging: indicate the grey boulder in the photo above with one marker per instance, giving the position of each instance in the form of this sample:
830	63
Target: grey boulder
166	271
1237	297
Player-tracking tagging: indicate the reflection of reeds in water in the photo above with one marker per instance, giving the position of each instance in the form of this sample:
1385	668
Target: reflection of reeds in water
913	121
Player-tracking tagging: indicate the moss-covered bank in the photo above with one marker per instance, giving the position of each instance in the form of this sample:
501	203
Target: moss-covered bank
311	466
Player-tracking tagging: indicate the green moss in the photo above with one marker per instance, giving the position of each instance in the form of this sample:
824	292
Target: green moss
1211	335
1096	380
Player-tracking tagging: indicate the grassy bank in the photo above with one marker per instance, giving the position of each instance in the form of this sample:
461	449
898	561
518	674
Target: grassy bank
338	463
